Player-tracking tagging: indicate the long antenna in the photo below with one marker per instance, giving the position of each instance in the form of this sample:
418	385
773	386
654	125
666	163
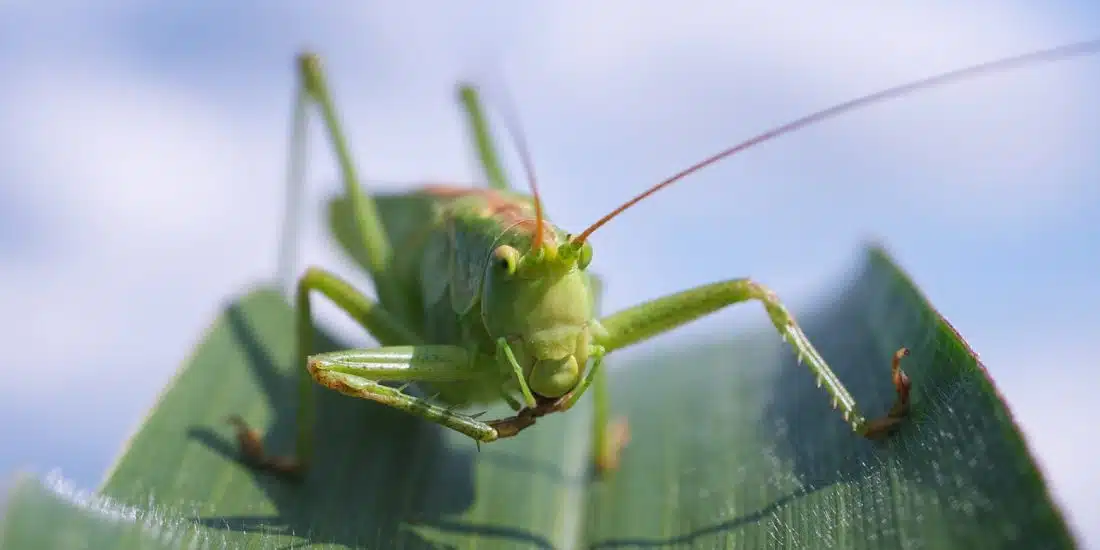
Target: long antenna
512	124
1053	54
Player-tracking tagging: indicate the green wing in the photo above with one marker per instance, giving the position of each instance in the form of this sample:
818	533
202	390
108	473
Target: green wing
404	216
409	220
471	242
435	268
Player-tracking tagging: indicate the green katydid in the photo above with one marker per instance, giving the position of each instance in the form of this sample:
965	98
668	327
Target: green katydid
482	299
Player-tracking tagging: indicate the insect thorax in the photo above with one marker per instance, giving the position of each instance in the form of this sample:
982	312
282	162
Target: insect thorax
456	246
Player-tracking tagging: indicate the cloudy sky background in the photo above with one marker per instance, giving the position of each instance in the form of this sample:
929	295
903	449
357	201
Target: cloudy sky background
144	146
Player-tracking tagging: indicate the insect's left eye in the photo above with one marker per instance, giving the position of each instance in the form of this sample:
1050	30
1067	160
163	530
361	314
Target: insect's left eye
506	258
585	255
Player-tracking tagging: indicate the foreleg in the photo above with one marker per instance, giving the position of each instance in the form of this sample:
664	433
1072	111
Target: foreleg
644	321
379	323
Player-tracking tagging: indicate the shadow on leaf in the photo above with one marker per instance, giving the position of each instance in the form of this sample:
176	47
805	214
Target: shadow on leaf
376	471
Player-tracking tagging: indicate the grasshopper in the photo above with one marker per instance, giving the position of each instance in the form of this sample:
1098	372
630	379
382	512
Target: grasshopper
481	299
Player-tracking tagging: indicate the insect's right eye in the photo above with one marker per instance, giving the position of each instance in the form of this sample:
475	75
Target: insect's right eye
506	258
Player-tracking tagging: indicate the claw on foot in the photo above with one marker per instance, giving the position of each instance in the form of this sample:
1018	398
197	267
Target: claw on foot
252	449
880	427
509	427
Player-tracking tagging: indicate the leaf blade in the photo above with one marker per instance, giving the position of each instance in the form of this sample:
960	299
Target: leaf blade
771	465
380	477
734	446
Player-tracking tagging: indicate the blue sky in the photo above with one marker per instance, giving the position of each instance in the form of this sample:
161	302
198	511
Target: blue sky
144	146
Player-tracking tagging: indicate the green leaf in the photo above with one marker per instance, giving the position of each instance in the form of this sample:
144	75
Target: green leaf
738	448
732	446
53	514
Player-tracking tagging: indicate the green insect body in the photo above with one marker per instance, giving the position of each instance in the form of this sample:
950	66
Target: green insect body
469	285
481	299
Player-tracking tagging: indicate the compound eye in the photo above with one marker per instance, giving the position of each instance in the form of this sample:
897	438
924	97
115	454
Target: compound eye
585	256
506	258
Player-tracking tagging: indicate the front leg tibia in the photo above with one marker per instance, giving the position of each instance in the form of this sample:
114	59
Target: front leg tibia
644	321
379	323
357	373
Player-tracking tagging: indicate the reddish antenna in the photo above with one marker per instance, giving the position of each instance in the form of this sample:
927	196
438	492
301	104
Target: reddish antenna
1053	54
515	131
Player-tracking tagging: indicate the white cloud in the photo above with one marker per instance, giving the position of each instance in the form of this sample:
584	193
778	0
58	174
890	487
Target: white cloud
142	187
